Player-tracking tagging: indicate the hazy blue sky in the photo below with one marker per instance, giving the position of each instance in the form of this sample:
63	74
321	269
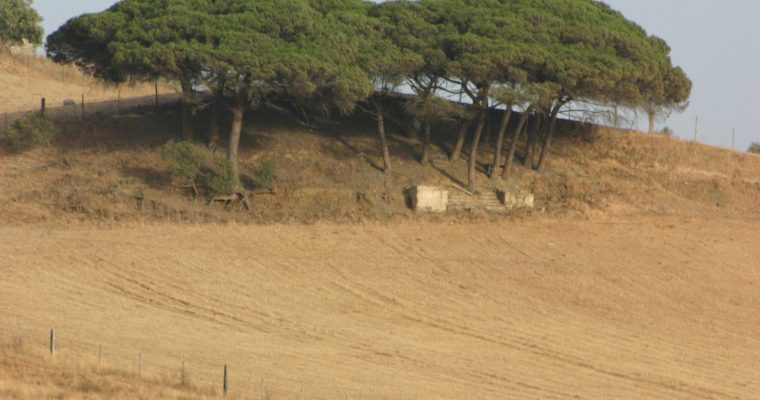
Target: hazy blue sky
716	42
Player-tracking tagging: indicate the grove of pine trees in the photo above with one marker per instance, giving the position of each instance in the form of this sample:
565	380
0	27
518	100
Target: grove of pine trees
327	57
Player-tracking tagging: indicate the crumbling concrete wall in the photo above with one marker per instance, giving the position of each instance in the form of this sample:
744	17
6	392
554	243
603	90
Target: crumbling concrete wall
429	199
515	200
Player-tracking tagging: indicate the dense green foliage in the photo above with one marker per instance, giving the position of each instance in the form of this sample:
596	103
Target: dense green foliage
30	130
19	22
754	147
265	174
223	178
322	57
184	159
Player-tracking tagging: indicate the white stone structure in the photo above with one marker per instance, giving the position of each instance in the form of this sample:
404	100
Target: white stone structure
429	199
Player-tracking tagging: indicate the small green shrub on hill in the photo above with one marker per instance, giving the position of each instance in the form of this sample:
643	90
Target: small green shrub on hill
265	173
754	148
223	179
184	159
30	130
666	131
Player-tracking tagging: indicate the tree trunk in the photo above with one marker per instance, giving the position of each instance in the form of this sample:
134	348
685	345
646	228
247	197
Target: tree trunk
530	145
381	134
548	136
187	93
425	159
213	139
521	127
457	152
500	141
487	129
474	147
238	110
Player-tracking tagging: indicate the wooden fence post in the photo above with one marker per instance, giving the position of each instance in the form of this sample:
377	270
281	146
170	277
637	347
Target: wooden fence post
52	342
42	106
17	338
224	384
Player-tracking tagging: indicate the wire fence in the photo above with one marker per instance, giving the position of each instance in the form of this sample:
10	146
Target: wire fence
202	378
82	109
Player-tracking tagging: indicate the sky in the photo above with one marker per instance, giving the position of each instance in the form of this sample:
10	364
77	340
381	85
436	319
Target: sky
714	41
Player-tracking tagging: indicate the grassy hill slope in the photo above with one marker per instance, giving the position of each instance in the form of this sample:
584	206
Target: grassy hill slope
635	277
656	308
109	168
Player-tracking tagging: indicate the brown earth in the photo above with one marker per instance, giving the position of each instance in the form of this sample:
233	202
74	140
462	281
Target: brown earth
110	169
636	276
656	308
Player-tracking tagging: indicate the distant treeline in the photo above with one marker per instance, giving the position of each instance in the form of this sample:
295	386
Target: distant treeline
326	57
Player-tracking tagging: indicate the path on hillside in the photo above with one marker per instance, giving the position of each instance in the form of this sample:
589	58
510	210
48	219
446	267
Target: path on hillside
553	309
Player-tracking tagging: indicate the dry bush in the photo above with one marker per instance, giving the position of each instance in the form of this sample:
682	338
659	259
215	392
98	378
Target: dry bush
31	130
27	373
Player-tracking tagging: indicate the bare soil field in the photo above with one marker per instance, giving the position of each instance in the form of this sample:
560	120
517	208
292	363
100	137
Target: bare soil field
655	308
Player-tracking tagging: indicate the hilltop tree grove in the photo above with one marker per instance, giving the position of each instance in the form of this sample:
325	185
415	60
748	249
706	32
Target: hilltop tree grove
326	56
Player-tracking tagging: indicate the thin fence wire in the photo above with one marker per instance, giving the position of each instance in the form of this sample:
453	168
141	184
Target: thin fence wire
95	109
202	377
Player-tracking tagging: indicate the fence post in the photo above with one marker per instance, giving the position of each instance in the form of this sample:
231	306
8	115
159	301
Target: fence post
42	106
139	364
156	93
17	338
52	342
6	123
82	106
224	384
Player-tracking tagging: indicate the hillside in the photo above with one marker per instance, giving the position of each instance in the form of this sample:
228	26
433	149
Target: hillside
110	169
636	276
29	373
656	308
26	79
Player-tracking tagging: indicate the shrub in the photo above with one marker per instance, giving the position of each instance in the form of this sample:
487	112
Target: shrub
666	131
223	178
754	148
30	130
184	159
265	174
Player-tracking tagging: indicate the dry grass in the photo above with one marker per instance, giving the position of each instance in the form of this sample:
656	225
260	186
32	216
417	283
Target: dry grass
638	278
26	79
110	169
27	373
656	308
